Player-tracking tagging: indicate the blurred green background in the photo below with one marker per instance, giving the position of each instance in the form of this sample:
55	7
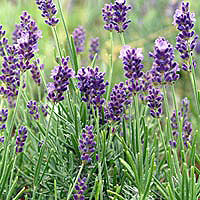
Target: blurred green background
150	19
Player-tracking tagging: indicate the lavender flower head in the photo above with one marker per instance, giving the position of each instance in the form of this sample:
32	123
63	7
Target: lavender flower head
33	109
80	188
49	11
35	71
94	48
21	139
164	69
132	59
61	75
115	16
2	139
119	100
155	101
184	20
91	84
3	118
87	144
44	109
3	41
79	39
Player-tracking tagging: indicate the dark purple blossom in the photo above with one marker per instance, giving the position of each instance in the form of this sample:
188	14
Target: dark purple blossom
44	109
79	39
132	59
94	48
80	189
115	16
87	144
119	100
49	11
33	109
184	20
61	75
3	118
21	139
92	86
164	69
3	41
2	139
35	71
155	101
187	126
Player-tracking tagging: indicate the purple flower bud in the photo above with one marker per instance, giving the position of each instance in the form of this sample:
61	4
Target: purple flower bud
94	48
33	109
80	189
79	39
21	138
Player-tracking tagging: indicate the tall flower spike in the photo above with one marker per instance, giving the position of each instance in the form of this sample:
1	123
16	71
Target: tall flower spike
164	69
80	188
87	144
79	39
132	59
21	139
3	41
154	100
3	118
91	84
107	13
184	20
49	11
35	72
33	109
61	75
94	48
119	100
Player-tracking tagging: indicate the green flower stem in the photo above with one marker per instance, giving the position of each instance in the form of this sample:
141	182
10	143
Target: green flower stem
66	32
122	39
162	136
57	41
111	67
76	180
16	106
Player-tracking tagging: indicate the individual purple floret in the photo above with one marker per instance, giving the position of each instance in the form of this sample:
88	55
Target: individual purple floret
2	139
132	59
21	138
79	39
187	126
44	109
87	144
35	72
94	48
3	118
61	75
80	189
164	69
155	101
33	109
115	16
92	86
119	100
49	11
184	20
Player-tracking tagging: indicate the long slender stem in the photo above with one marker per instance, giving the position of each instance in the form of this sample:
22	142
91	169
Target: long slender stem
57	41
16	106
77	177
122	39
111	67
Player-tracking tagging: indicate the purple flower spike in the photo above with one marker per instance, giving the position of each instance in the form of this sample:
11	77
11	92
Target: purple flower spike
2	139
80	189
61	75
3	118
35	72
79	39
155	101
87	144
184	20
91	84
132	59
49	11
33	109
94	48
21	139
164	69
119	100
44	109
115	16
3	41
